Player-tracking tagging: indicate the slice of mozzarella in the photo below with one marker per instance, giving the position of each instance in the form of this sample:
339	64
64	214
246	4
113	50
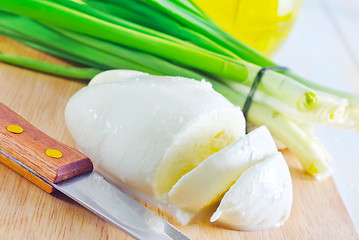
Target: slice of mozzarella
261	198
206	184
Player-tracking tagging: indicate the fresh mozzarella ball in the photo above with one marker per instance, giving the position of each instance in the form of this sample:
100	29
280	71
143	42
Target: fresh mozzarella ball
147	131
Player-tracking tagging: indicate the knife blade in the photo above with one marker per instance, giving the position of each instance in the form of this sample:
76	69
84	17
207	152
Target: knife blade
52	166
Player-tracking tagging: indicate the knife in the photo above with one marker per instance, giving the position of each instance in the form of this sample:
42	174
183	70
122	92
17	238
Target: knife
52	166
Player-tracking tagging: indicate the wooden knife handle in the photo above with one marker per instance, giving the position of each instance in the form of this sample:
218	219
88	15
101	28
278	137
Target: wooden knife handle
48	157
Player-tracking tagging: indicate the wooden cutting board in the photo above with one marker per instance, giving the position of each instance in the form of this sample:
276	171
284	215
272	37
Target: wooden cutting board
29	213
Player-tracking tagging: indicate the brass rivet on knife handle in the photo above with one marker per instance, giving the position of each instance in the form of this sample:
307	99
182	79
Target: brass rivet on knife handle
30	147
53	153
15	129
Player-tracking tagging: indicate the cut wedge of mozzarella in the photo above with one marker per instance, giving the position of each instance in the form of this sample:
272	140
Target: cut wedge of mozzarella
205	185
147	131
260	198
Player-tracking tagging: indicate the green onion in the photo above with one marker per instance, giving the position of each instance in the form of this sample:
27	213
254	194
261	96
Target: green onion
71	72
77	21
139	14
306	148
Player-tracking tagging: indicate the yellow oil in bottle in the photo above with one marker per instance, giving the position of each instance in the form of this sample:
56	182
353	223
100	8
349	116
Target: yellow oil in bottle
262	24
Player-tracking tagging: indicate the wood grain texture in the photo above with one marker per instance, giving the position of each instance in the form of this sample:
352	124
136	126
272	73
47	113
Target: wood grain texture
29	147
27	212
344	16
26	174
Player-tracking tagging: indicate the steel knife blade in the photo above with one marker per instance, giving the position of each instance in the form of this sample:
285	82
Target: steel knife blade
52	166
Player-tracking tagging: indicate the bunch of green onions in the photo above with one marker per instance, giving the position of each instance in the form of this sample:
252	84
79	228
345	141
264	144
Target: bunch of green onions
175	37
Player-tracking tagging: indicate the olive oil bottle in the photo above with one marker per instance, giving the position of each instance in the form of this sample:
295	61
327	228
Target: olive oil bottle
262	24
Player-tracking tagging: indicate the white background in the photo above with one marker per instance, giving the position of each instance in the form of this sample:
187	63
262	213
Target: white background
324	47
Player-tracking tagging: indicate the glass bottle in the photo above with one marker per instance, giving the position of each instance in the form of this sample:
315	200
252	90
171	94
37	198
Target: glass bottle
262	24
